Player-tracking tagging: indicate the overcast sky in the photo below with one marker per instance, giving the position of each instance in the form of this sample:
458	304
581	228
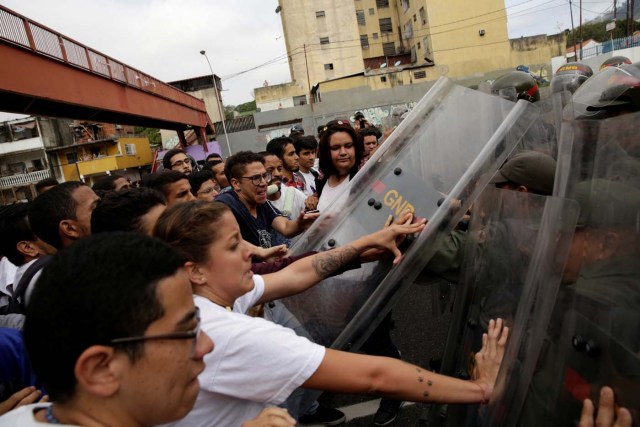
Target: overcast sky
163	37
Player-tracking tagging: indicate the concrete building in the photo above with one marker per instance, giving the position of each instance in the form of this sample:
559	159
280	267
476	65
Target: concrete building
203	88
384	43
35	148
23	160
330	39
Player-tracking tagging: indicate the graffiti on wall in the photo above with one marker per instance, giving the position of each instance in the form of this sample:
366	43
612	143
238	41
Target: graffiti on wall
380	116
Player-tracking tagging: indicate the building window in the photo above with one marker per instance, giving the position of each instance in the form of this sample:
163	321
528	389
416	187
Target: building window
328	66
420	75
72	157
418	45
130	149
300	100
383	78
360	17
385	25
324	40
382	3
372	11
374	36
364	41
320	14
425	45
408	30
423	16
415	18
405	5
389	48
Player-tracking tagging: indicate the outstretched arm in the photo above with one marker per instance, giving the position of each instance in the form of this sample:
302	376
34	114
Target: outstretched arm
293	227
356	373
308	271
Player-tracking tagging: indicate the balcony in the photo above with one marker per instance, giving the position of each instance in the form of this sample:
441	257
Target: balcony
23	179
108	163
29	144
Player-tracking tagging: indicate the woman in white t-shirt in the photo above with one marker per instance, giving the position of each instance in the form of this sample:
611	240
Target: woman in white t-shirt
340	151
258	363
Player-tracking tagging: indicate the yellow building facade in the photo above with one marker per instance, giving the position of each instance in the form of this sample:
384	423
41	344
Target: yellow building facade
331	40
91	160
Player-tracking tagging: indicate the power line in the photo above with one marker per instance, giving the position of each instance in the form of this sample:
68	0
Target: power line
315	47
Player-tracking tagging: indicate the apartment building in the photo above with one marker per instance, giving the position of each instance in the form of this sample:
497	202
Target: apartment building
333	39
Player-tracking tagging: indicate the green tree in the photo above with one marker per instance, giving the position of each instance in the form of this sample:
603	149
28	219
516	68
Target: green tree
597	31
152	134
247	107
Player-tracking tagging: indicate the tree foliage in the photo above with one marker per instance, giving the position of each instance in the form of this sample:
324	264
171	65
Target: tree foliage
597	31
152	134
247	107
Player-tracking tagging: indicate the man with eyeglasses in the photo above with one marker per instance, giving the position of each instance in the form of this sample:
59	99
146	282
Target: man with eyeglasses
113	336
247	175
176	159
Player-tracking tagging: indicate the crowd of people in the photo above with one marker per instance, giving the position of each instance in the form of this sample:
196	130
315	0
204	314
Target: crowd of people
130	306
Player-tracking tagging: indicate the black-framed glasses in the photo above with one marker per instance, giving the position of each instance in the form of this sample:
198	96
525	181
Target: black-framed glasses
178	335
182	162
257	179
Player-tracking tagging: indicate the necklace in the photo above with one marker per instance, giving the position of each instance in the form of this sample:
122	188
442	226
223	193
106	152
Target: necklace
48	413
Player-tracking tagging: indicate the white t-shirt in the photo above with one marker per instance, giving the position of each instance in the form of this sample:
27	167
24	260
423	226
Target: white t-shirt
7	273
23	417
331	195
255	363
298	201
310	183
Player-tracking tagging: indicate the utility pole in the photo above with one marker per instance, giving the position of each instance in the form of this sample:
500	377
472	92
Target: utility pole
573	31
218	102
306	64
581	41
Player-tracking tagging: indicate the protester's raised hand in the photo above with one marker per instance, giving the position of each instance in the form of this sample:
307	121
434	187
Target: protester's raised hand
271	417
386	239
607	416
489	358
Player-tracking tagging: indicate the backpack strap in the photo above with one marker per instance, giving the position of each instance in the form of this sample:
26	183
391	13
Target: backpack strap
17	300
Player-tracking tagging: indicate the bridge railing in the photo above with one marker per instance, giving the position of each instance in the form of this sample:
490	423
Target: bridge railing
19	30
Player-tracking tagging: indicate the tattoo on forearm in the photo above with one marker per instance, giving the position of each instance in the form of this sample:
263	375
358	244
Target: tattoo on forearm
327	263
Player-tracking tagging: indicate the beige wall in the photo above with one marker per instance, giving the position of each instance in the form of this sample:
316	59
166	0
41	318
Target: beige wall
302	27
372	26
278	96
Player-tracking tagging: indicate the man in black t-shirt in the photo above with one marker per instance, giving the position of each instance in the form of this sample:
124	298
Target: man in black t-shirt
256	217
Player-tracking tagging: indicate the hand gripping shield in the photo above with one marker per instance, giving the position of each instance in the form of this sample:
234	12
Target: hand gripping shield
588	335
446	150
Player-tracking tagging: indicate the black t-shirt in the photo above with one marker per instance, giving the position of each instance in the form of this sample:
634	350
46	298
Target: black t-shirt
255	230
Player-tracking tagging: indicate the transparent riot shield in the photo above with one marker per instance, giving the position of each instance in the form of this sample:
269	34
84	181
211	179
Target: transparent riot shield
591	336
504	233
436	163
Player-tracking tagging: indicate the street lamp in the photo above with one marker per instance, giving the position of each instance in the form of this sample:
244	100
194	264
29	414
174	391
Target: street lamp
220	109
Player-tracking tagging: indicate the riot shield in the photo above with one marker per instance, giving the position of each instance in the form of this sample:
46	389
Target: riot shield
436	163
502	245
591	337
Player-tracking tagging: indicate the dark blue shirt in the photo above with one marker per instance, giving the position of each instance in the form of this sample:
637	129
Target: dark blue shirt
255	230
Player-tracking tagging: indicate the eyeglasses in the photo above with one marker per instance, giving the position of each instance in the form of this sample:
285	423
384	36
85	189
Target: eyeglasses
182	162
193	334
209	190
257	179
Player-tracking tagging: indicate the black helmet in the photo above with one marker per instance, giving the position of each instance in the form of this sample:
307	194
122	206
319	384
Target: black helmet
615	61
296	130
570	77
611	91
516	85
